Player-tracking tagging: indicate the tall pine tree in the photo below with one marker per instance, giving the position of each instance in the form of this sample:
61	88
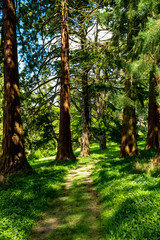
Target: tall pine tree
65	151
13	156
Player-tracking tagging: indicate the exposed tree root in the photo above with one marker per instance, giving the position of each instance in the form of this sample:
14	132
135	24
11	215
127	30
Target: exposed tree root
4	180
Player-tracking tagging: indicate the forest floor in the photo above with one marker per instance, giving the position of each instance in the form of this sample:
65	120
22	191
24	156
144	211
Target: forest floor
94	198
75	214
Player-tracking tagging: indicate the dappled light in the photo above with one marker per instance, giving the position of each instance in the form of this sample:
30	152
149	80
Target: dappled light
75	213
30	195
95	197
127	188
83	79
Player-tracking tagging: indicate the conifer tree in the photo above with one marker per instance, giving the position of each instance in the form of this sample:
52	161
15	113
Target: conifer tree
13	156
65	151
85	97
152	141
128	141
147	62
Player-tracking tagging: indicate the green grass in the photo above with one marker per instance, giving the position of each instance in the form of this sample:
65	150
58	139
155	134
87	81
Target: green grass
130	195
129	192
22	202
76	215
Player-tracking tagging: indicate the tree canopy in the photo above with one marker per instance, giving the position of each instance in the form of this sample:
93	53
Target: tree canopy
113	54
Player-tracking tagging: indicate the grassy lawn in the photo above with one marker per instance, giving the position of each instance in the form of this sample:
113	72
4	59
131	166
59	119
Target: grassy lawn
130	195
22	202
128	191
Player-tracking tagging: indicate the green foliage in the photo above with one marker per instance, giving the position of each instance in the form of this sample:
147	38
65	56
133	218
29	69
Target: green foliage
129	53
147	42
42	153
35	155
39	50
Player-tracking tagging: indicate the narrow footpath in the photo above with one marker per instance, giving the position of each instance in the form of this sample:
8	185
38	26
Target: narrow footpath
75	214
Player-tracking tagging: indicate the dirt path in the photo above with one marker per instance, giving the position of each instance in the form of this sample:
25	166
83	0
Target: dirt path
75	214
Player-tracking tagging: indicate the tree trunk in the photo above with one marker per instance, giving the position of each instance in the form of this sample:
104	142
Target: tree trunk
85	117
128	141
101	108
13	156
85	98
65	151
156	160
153	116
102	141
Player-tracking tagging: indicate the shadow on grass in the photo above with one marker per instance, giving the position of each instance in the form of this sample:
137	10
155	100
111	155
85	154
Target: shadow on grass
71	218
22	202
75	213
135	218
129	194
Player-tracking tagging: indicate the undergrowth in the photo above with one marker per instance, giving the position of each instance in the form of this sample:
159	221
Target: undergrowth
29	195
130	195
129	192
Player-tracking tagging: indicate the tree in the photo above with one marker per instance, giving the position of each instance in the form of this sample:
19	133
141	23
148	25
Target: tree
79	31
85	96
147	64
39	51
65	151
152	141
84	59
13	156
128	141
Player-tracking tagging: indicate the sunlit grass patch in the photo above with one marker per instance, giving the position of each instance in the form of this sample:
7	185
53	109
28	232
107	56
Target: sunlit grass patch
144	162
129	194
30	194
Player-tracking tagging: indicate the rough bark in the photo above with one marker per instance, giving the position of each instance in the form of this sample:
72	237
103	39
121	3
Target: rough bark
156	160
85	117
128	141
101	107
13	156
4	180
65	151
85	99
153	116
102	141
